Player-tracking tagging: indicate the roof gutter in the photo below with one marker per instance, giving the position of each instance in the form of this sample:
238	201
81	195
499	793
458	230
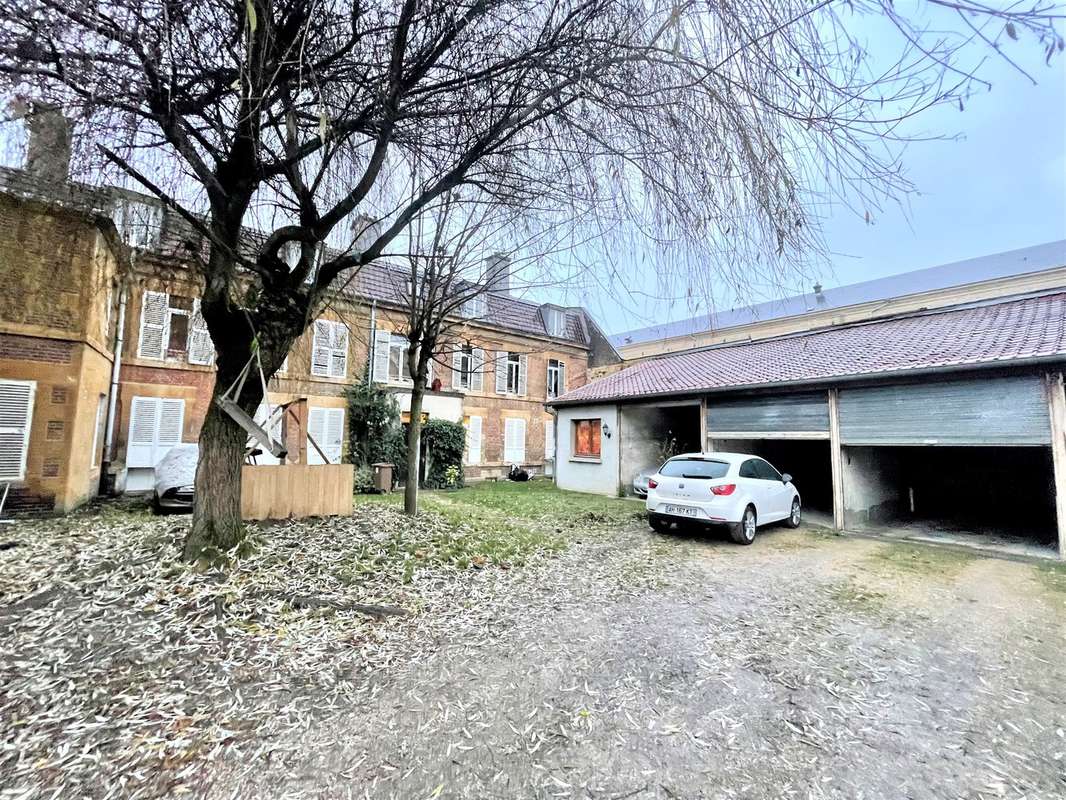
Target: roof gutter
918	372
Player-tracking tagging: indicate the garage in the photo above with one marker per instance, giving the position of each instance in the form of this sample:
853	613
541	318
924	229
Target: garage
651	432
791	431
965	461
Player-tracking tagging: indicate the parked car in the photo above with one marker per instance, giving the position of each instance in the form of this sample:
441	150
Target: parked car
734	489
640	482
174	478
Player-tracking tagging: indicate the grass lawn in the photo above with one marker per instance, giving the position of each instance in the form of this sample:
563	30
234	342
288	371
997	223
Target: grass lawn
503	522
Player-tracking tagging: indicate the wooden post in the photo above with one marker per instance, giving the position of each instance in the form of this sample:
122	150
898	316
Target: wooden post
1057	417
836	460
704	445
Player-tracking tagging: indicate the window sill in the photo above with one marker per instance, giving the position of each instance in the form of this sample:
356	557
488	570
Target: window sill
586	459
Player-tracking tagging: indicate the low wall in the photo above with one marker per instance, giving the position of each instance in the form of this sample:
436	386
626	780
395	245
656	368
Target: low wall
296	490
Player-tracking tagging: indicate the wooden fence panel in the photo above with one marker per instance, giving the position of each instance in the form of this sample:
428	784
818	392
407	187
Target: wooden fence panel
296	490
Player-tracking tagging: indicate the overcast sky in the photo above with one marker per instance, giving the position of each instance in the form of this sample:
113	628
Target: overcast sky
1000	185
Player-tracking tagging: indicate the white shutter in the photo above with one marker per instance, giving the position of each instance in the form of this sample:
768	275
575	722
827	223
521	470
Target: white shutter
316	429
338	357
171	420
284	366
16	416
562	378
381	356
140	443
320	348
549	439
523	375
514	440
457	368
201	348
334	434
473	441
155	324
501	372
477	379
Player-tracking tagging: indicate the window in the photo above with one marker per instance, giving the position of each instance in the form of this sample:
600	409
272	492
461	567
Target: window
511	372
399	365
173	327
98	429
16	416
139	222
699	468
473	440
329	349
326	427
556	378
476	306
467	368
514	440
587	438
766	471
155	426
749	469
554	320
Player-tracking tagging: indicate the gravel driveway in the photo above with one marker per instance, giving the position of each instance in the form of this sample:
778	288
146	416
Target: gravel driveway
637	665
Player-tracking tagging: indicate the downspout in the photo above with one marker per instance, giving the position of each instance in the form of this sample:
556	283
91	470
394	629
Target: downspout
371	349
112	399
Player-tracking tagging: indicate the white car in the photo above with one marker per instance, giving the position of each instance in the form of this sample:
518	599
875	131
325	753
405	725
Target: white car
733	489
174	477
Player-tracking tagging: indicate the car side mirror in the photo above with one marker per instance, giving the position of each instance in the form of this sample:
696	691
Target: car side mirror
786	478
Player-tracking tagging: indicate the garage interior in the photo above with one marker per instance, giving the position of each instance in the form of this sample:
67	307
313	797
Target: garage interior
992	497
650	431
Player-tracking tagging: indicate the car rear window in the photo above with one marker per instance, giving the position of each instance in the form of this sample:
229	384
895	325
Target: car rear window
694	468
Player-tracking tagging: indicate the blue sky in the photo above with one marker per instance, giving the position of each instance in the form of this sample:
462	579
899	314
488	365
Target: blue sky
996	183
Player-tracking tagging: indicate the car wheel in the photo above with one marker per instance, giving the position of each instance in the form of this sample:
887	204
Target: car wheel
659	524
157	509
795	516
743	532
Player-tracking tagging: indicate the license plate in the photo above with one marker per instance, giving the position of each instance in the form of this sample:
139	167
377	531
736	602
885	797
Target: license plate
682	511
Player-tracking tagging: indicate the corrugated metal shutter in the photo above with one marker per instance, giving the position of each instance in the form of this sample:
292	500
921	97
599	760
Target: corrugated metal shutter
16	413
991	411
807	412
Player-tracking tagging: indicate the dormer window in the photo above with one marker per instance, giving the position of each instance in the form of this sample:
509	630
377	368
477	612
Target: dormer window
554	320
476	306
139	222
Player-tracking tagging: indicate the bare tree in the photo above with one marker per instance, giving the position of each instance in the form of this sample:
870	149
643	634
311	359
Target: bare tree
687	121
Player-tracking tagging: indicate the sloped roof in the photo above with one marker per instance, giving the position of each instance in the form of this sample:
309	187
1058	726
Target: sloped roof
988	334
959	273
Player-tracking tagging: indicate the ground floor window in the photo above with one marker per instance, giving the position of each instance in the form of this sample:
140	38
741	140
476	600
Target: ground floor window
16	414
326	427
587	438
156	425
514	440
473	440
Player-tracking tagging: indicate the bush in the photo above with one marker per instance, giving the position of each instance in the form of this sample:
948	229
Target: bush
373	417
364	479
445	442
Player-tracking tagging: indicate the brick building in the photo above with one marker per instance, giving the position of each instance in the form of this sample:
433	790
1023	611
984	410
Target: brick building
88	274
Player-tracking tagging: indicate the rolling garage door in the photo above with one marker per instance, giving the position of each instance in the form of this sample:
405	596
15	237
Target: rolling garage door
989	411
768	417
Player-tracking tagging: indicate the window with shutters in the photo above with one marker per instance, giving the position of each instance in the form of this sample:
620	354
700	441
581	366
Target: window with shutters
399	368
325	426
463	368
156	425
556	377
473	440
587	438
139	222
173	328
329	349
514	440
16	416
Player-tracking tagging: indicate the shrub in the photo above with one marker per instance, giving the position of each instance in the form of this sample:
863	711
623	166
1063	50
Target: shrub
445	442
373	418
364	479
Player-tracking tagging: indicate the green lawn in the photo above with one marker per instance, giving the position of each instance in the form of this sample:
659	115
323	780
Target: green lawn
504	521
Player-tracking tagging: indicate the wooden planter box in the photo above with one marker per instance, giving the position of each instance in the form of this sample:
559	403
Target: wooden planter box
296	490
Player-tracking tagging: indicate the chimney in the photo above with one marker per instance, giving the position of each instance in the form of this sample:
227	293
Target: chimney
365	230
818	296
498	273
48	151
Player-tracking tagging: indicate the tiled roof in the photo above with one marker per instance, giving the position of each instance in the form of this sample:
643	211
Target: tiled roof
997	333
960	273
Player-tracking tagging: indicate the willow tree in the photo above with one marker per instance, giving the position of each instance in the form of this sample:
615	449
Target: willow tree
691	121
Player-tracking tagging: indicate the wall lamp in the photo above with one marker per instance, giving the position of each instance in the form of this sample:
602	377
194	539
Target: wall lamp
606	430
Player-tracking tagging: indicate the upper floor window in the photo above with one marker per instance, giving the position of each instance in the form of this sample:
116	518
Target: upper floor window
556	377
512	371
139	222
476	306
467	368
554	320
390	358
329	349
172	327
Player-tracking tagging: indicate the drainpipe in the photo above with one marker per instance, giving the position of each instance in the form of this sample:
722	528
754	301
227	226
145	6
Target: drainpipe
112	399
371	349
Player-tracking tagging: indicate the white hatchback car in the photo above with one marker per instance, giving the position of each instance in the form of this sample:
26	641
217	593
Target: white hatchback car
733	489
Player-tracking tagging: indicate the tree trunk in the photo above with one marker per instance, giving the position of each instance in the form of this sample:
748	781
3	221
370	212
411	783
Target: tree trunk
414	447
216	522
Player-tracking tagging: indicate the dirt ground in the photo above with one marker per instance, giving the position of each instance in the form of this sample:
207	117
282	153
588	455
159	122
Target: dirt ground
637	665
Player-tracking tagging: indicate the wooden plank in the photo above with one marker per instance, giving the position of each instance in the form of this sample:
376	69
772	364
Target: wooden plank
836	460
296	490
1057	414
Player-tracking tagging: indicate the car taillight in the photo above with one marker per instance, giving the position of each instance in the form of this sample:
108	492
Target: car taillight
652	483
724	490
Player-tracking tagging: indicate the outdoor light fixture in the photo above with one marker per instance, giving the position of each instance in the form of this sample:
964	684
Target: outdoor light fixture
606	431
